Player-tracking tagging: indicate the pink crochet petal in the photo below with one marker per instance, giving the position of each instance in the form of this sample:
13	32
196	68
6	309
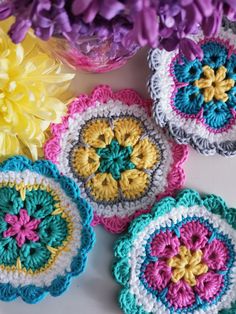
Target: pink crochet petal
20	238
32	236
216	255
12	231
24	217
194	235
180	295
165	244
11	219
32	224
157	275
208	285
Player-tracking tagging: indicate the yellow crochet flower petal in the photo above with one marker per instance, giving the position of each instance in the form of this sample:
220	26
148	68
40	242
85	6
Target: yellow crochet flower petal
176	262
200	269
145	154
209	72
98	134
184	252
103	187
196	258
31	84
189	277
85	161
220	74
127	131
133	183
177	274
203	83
209	93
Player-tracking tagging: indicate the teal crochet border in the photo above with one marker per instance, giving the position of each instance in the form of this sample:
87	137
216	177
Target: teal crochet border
188	198
32	294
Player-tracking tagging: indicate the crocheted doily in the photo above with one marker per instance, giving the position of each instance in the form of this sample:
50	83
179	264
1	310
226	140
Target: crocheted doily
197	99
117	155
45	231
181	258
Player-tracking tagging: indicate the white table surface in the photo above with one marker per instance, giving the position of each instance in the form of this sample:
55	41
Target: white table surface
95	291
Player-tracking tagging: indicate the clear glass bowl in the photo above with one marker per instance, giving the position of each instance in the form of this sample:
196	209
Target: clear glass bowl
90	53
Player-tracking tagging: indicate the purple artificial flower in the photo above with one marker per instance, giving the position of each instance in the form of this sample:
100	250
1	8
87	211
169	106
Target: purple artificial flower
190	49
19	30
163	23
5	9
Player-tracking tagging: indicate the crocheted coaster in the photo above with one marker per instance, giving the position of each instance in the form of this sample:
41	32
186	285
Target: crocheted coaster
197	99
181	258
117	155
45	231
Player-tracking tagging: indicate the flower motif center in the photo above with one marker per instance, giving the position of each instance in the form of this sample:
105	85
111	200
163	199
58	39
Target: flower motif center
115	159
215	84
187	265
22	227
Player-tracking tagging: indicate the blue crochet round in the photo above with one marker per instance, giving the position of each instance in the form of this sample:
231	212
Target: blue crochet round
45	231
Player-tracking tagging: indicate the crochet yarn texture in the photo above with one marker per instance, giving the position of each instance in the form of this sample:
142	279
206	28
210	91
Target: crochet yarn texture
181	258
118	157
45	231
196	100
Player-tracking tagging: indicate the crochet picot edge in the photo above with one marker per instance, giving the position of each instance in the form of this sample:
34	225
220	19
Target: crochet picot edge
102	94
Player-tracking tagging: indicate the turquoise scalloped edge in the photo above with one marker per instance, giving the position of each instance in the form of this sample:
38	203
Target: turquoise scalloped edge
187	198
32	294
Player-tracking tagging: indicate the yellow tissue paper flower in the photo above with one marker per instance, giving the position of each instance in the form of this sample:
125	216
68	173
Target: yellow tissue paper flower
31	84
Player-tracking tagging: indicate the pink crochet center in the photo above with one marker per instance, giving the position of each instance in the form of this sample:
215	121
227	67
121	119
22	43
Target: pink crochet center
199	117
22	227
103	94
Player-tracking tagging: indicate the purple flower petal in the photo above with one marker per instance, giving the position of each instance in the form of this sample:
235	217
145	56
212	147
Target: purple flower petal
79	6
19	30
190	49
5	10
91	12
111	8
171	43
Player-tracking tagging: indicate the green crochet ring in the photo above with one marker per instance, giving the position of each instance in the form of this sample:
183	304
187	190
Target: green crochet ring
180	258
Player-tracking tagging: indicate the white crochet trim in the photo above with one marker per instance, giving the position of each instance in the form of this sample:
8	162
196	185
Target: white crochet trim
137	255
162	87
63	261
117	108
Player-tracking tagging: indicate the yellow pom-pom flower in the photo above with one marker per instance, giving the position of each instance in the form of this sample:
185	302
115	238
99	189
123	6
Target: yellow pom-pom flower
30	86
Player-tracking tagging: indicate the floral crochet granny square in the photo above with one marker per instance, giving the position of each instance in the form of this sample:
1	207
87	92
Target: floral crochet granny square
181	258
196	100
119	158
45	231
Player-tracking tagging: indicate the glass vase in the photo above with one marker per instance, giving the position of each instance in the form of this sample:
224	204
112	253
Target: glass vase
90	53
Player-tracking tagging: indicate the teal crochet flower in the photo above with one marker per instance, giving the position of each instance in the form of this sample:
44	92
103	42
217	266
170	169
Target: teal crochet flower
45	231
206	88
115	159
181	258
